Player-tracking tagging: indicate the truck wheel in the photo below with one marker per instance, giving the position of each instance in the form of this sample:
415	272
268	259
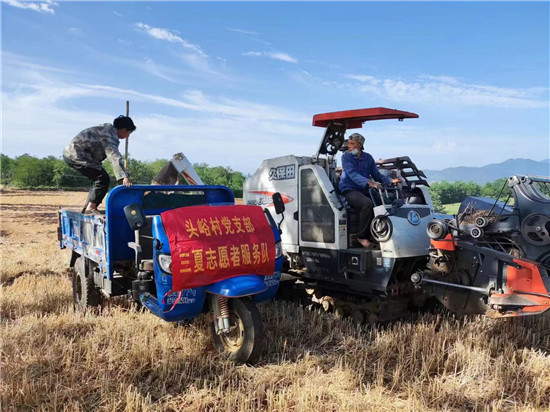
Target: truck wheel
84	291
244	342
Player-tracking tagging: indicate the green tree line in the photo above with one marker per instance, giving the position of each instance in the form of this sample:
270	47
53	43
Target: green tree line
444	192
29	172
49	173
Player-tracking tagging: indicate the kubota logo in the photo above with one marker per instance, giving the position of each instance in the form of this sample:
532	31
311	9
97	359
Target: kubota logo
413	217
265	198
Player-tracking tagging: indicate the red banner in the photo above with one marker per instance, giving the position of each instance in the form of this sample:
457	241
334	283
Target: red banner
211	243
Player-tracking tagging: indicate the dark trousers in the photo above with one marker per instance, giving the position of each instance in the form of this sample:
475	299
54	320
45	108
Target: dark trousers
100	181
364	206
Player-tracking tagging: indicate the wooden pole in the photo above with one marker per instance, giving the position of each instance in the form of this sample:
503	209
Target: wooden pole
128	138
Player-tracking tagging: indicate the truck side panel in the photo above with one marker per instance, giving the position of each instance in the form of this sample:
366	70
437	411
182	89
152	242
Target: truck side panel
84	234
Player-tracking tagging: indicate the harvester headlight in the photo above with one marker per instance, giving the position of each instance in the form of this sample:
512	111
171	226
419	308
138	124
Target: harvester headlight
381	228
437	229
278	250
165	262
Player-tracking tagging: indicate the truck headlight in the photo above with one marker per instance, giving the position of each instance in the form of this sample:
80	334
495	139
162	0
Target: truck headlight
165	262
278	250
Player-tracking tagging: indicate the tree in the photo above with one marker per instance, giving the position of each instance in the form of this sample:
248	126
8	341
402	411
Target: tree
157	165
436	201
30	172
6	172
140	172
219	175
66	177
497	190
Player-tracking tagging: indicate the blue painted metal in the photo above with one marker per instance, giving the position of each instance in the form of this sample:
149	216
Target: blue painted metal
238	286
104	239
119	233
191	301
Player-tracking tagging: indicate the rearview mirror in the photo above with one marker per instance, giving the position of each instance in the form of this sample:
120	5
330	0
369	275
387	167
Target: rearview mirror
278	203
135	216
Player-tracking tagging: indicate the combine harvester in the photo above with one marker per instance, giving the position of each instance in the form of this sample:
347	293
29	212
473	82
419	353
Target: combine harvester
473	270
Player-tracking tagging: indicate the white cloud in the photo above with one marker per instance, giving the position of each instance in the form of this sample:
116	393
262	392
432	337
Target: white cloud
41	115
282	56
169	36
40	119
124	42
253	33
449	91
272	55
41	6
26	68
151	67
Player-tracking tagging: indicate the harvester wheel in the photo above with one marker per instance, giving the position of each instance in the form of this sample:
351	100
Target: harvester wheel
244	342
85	293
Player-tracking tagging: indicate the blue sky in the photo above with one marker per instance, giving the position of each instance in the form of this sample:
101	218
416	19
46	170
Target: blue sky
232	83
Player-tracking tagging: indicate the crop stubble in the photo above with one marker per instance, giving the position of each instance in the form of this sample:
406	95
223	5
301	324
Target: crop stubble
124	359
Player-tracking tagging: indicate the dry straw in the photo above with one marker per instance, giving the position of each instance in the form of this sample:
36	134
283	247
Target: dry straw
125	359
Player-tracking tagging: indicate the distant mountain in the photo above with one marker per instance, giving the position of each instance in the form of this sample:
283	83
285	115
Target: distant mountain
491	172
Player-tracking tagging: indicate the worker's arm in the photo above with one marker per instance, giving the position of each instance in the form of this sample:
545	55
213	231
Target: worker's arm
116	160
375	173
110	144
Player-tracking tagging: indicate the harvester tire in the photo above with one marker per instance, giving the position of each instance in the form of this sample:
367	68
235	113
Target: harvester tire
244	343
85	294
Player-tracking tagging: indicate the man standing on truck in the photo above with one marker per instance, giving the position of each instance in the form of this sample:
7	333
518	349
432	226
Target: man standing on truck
357	168
88	149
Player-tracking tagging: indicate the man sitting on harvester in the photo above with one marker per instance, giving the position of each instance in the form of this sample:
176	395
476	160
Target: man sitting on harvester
358	167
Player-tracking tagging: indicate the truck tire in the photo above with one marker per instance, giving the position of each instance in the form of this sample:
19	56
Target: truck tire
85	293
244	342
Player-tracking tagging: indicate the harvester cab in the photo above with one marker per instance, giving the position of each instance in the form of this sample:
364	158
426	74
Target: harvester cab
319	233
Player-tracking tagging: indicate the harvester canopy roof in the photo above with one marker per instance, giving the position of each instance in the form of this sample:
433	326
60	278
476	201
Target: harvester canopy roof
354	119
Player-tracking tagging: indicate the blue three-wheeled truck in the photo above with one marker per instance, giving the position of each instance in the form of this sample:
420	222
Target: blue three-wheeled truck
129	250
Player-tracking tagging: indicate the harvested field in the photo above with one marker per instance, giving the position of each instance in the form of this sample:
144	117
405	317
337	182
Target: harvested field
124	359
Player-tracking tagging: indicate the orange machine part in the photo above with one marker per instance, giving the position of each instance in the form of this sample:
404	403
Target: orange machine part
444	244
526	278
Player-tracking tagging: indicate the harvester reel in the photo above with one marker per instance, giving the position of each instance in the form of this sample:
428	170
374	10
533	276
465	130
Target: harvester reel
536	229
